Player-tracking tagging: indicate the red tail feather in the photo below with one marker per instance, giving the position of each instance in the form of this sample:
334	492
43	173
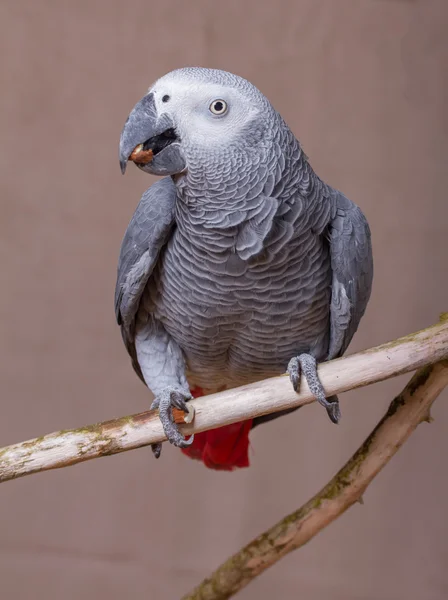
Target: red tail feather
223	449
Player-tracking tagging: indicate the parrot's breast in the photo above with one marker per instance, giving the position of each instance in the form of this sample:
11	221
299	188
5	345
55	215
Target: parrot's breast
238	328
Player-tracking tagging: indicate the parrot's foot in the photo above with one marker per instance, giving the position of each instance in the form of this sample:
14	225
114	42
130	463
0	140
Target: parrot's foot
169	398
306	364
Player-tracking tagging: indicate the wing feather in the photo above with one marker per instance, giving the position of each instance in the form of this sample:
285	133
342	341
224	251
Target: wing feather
352	266
145	237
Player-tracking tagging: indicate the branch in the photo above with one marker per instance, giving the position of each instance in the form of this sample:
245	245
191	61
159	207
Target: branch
69	447
405	413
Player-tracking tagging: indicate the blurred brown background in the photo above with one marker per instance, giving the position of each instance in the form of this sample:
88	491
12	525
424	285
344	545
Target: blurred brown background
363	83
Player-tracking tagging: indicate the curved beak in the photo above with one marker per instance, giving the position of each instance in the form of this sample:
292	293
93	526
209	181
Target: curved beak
145	133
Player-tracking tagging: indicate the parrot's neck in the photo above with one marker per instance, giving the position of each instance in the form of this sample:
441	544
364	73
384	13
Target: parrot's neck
221	193
231	180
232	214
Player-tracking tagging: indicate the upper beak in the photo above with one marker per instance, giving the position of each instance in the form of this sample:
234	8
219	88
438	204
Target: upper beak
143	123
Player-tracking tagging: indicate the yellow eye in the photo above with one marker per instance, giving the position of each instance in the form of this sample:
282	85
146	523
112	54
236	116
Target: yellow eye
218	107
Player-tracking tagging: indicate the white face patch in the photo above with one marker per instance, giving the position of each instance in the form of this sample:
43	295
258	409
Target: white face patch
192	105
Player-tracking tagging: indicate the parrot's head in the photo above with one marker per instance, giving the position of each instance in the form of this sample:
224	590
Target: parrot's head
196	117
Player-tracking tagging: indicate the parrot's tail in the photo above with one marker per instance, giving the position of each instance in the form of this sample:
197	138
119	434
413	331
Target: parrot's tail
223	449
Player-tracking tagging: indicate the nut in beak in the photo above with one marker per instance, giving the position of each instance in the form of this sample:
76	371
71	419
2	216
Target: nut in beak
140	156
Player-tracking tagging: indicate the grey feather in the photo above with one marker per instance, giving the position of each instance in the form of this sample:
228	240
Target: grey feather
352	267
145	237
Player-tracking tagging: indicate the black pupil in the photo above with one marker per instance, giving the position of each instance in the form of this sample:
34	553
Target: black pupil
165	98
219	106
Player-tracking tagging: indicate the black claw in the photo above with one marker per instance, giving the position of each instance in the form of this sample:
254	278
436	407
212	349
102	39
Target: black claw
156	450
180	403
295	381
334	412
186	443
294	373
181	406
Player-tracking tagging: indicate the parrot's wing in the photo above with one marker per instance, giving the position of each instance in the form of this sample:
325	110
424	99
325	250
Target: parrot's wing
146	235
352	266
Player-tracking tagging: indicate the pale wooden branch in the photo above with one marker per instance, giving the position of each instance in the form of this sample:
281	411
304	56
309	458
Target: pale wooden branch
66	448
405	413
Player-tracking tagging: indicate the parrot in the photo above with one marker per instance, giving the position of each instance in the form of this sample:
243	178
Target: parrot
240	263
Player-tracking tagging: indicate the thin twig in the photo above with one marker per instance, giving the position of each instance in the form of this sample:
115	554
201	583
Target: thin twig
405	413
66	448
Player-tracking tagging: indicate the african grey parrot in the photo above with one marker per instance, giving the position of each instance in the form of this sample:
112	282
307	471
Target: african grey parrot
240	263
